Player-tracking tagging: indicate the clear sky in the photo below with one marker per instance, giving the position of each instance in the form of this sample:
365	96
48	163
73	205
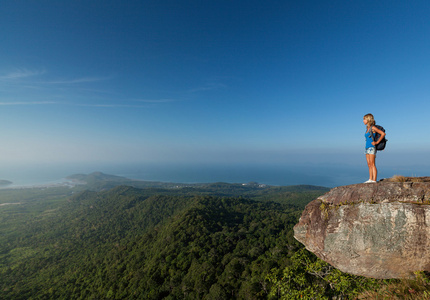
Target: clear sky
213	81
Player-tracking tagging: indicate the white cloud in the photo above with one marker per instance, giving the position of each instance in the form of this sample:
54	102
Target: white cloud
101	105
21	73
28	103
156	100
78	80
24	86
208	87
106	105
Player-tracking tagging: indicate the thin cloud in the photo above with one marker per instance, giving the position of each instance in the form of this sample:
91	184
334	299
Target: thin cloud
109	105
156	100
17	83
22	73
208	87
148	103
79	80
101	105
28	103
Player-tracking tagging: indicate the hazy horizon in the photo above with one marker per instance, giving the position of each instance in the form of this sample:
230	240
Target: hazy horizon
312	173
275	83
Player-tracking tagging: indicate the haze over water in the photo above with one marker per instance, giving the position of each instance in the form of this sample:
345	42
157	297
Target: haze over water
315	174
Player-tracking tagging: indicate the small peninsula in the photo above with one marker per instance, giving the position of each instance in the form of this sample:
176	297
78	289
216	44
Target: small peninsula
5	182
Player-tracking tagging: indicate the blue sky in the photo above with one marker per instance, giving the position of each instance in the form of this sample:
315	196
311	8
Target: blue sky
213	81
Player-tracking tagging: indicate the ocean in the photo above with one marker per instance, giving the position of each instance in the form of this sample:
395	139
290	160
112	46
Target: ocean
281	175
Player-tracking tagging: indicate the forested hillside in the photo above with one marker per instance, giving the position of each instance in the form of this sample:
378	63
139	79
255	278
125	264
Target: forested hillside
201	242
123	243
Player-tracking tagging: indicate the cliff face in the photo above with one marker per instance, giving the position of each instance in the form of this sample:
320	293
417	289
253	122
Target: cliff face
379	230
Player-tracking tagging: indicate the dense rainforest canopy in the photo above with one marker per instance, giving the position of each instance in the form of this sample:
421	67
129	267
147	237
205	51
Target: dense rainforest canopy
217	241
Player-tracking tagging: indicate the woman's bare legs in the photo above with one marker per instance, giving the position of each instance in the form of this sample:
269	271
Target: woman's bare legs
373	172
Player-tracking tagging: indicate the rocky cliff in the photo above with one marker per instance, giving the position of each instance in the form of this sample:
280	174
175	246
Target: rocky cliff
379	230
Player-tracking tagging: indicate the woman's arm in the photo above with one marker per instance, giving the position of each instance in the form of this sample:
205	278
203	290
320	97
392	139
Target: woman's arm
382	135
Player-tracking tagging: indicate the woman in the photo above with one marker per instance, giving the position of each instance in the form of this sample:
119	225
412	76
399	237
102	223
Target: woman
370	151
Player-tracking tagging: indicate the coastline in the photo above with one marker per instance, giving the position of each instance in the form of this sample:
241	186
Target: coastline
60	183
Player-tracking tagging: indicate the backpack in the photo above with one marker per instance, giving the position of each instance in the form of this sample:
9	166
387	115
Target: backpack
381	145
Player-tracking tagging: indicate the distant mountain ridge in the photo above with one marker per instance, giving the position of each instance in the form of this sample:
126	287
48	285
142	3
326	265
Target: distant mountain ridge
96	176
102	181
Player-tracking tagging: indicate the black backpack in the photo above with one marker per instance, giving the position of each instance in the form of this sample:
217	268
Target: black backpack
381	145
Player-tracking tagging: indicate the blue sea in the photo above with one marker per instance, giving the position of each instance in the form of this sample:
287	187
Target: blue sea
280	175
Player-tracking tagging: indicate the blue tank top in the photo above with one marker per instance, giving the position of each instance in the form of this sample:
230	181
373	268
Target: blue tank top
369	139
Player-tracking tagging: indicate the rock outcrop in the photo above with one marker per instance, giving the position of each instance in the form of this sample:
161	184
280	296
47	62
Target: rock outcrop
379	230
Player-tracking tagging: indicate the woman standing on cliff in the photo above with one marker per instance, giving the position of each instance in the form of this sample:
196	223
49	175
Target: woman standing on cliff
370	151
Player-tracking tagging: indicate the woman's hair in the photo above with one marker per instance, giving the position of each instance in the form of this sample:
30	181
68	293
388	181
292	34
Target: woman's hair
370	119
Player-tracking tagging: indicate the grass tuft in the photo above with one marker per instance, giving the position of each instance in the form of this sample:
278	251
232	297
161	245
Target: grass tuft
401	178
405	289
398	178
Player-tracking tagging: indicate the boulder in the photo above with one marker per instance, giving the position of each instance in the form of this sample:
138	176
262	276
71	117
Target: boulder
379	230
